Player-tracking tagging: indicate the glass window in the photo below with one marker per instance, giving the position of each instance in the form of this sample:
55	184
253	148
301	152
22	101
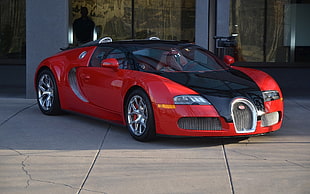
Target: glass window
296	31
12	29
112	18
109	52
169	58
139	19
170	20
98	56
121	58
147	58
270	31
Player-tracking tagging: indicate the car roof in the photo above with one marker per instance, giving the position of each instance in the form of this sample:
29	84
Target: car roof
109	41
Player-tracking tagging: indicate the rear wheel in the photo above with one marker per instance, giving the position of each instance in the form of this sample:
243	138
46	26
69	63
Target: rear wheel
139	116
47	93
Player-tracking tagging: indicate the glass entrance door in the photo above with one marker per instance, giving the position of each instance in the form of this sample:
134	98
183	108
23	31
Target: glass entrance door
140	19
271	31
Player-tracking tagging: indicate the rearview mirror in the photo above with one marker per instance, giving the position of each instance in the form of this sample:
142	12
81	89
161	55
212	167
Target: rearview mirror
110	63
229	59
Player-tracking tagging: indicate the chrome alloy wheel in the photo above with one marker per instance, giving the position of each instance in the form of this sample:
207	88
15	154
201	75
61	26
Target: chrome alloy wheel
46	91
137	115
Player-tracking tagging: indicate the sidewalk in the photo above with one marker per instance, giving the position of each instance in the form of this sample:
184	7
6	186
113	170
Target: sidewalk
74	154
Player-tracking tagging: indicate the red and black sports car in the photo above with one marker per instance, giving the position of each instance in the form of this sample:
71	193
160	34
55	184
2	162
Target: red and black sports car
160	87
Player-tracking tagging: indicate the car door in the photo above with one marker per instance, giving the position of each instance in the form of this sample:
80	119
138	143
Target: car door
102	85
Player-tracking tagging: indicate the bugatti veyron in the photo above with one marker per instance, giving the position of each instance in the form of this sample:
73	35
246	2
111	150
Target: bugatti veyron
160	87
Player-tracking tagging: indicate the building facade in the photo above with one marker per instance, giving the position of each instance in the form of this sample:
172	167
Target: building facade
261	32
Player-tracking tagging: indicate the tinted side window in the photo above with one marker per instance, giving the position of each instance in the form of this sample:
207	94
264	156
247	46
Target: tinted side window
98	56
121	58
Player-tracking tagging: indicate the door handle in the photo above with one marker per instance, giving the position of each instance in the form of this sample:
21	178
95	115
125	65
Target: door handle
85	77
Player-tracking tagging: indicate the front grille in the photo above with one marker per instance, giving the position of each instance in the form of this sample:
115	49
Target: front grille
244	116
270	119
200	123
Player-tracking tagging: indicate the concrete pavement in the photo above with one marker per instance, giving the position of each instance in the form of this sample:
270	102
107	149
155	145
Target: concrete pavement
75	154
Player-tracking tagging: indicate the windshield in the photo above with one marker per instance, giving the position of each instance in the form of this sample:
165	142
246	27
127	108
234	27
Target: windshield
167	58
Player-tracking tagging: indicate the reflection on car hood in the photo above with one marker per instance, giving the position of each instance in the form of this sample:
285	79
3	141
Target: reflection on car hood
220	87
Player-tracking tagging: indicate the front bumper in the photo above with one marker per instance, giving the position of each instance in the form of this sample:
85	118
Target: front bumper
204	120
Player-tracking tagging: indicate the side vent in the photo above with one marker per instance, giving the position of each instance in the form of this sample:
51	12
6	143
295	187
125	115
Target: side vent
74	85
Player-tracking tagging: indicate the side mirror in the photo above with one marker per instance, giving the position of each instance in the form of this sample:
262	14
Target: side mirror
228	60
110	63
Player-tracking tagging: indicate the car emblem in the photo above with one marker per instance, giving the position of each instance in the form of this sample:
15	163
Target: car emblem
241	107
82	55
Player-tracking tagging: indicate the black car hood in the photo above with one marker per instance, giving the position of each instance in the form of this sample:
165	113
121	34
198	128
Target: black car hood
220	87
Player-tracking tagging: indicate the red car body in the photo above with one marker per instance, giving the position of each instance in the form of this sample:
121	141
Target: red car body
102	92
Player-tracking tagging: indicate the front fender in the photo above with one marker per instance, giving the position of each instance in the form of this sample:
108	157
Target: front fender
161	90
265	82
262	79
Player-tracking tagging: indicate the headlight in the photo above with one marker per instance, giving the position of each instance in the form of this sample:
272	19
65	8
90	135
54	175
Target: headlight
271	95
190	100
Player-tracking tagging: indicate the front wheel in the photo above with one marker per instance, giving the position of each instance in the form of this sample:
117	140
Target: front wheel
47	93
139	116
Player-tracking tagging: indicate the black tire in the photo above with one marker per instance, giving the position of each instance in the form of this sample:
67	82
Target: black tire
47	93
139	116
